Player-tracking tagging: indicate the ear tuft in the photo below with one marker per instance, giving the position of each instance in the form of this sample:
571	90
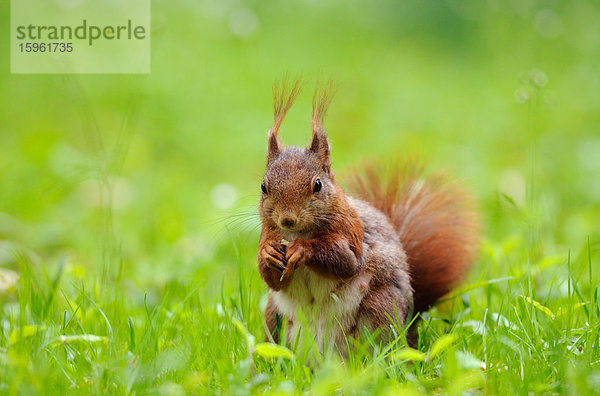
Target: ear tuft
319	143
321	100
284	95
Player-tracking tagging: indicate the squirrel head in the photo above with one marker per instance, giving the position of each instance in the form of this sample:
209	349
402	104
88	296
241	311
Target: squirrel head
299	193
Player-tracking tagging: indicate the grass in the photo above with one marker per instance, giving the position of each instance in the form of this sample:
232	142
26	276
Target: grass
72	332
128	227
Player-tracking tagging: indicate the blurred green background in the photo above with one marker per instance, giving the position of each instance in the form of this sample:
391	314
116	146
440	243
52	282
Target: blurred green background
448	81
152	179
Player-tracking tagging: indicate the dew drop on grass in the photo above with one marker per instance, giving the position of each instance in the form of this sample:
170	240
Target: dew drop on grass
548	24
522	95
219	309
224	195
243	22
512	183
588	154
116	193
593	380
538	78
171	389
287	387
195	247
8	280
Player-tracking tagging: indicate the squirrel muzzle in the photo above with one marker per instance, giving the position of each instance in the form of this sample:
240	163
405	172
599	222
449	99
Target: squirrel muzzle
287	220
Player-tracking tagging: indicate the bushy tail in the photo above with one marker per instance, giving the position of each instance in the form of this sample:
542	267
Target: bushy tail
436	221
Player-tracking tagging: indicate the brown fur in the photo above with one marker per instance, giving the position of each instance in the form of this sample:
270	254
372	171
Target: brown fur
408	235
436	222
271	314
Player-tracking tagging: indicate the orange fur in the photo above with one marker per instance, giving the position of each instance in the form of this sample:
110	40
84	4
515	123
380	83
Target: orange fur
436	222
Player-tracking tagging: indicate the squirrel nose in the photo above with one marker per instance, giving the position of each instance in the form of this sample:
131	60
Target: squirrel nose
288	220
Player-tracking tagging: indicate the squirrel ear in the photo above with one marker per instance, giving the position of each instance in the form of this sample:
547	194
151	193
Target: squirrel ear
320	146
273	145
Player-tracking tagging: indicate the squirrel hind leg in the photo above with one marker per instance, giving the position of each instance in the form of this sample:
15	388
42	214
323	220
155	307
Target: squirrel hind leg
273	318
381	308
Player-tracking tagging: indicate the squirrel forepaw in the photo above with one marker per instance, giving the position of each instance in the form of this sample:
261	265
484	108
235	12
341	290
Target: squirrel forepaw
295	255
273	256
298	251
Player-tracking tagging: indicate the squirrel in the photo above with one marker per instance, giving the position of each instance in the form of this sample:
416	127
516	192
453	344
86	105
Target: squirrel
351	263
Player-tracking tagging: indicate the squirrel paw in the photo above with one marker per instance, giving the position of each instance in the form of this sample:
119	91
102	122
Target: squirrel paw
273	253
297	253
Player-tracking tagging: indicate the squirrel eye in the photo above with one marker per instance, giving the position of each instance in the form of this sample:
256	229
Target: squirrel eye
263	188
318	186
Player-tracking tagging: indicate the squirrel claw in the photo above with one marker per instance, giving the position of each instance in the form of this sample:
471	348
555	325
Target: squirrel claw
287	272
275	265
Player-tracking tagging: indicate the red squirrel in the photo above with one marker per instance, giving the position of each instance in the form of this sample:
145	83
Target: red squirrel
351	263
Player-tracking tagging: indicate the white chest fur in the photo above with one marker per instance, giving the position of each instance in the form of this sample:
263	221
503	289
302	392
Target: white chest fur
328	305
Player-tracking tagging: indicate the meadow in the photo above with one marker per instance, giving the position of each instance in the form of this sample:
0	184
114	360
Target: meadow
128	203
